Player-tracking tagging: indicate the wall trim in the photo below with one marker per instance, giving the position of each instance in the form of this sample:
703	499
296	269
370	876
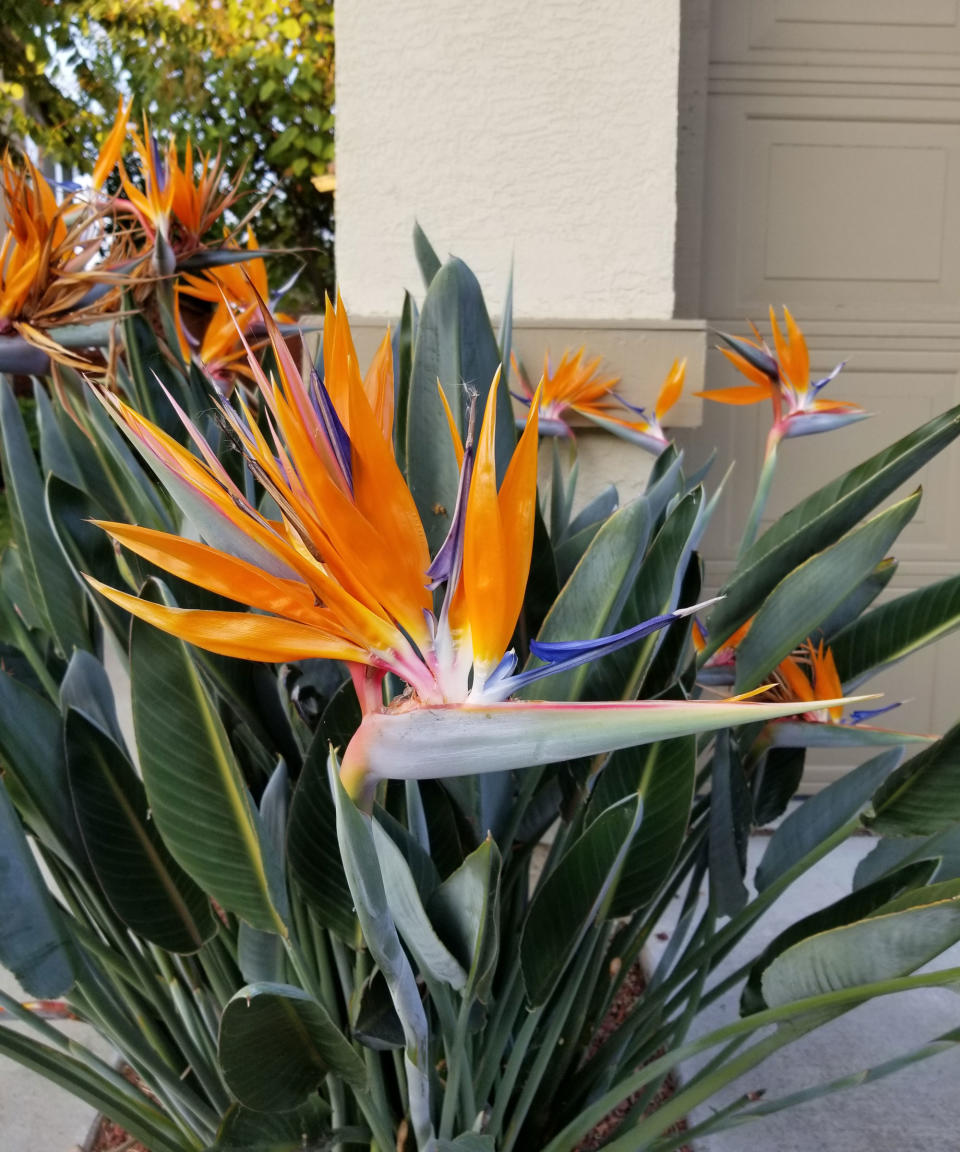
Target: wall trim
639	351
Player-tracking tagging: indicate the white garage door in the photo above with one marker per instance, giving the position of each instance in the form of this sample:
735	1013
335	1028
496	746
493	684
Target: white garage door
831	183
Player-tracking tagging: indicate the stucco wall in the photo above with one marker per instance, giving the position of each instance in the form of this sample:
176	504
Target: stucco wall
545	131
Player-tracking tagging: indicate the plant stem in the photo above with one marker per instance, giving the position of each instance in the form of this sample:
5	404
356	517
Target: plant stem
456	1059
763	491
557	1021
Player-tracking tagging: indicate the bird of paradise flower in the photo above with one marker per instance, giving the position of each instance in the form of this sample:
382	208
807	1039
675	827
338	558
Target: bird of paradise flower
807	675
578	385
346	574
234	293
782	376
51	270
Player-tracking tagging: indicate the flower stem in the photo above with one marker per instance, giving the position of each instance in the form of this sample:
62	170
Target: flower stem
763	490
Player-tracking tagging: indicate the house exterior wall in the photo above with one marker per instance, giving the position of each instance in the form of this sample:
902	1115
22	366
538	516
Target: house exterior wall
544	133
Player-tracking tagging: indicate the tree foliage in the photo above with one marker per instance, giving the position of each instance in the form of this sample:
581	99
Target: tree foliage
251	77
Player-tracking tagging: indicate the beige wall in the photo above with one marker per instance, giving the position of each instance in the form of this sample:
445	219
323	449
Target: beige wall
545	132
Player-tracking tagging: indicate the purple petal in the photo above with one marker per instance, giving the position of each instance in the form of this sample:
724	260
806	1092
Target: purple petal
818	384
448	561
334	432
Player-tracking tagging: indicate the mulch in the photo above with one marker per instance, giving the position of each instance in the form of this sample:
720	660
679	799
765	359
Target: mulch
630	992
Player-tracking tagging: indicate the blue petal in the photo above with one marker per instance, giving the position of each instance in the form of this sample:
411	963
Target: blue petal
563	655
860	714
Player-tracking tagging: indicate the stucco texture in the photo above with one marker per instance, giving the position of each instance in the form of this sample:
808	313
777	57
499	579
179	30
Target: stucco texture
545	133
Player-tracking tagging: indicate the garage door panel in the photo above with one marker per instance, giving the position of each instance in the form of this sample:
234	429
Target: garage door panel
756	30
833	206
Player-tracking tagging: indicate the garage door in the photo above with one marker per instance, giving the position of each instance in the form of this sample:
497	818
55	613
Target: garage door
830	179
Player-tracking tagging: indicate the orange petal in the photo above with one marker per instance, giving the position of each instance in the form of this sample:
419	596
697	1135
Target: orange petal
799	372
743	394
484	558
518	507
112	146
452	425
241	634
378	385
796	681
672	387
742	365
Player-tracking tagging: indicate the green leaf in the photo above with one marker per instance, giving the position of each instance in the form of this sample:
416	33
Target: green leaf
819	817
581	531
35	943
466	911
882	947
943	848
427	259
848	909
575	894
455	345
860	599
150	893
359	854
419	934
923	795
505	338
55	455
88	549
662	775
53	589
467	1142
822	518
14	584
814	734
31	749
261	955
404	340
804	598
277	1044
377	1024
312	850
197	795
86	688
306	1127
592	600
543	585
654	590
775	782
730	819
562	493
894	630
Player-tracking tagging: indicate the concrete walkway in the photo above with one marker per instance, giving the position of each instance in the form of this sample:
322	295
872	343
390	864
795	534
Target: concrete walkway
916	1108
35	1114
